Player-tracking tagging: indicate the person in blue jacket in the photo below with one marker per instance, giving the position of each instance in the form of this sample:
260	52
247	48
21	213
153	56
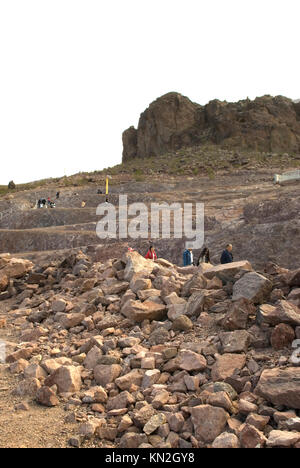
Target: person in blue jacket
227	256
188	258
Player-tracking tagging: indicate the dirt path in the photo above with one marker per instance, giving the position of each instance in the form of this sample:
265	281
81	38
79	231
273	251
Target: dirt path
37	427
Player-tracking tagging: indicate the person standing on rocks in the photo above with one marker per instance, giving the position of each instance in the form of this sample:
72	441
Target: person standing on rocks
151	254
227	256
188	258
204	256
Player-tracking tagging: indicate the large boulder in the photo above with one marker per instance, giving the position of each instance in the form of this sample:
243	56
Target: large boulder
136	264
17	268
197	282
283	312
280	386
12	268
228	270
252	286
140	311
66	378
200	301
238	314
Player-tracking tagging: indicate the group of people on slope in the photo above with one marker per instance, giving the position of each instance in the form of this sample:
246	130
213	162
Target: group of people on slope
188	256
43	203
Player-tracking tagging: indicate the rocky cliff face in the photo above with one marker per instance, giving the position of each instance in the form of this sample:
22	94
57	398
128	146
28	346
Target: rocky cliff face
173	122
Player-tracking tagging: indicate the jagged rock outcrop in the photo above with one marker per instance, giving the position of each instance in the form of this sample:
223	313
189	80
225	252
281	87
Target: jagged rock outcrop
173	122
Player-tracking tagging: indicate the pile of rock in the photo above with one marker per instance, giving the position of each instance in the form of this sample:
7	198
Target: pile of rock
145	354
11	269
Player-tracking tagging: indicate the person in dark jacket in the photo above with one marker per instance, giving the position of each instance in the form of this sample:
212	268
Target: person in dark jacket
227	256
204	256
188	258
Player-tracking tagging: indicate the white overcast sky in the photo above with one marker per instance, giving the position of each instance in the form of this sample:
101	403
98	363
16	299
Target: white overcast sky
75	73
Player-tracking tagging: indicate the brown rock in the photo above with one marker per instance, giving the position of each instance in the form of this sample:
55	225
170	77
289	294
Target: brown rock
59	305
120	401
66	378
282	336
2	323
135	377
294	278
280	386
4	281
136	264
141	416
71	320
24	353
160	399
258	421
34	371
283	439
284	312
154	423
140	311
92	358
229	269
245	407
132	440
46	396
17	268
176	422
238	314
150	378
226	365
138	283
191	361
221	400
252	286
182	323
18	366
208	421
105	374
250	437
51	365
95	395
27	387
226	441
235	342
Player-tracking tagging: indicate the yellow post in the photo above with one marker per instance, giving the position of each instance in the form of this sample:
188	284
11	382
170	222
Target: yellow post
106	185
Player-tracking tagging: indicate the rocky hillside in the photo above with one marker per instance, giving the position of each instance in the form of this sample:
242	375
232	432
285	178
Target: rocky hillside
132	353
173	122
242	206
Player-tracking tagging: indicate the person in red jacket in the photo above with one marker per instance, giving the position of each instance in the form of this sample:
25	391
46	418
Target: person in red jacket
151	253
